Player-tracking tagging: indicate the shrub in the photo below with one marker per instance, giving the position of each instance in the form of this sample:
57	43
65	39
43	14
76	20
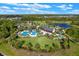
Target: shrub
24	46
37	46
29	45
20	44
47	47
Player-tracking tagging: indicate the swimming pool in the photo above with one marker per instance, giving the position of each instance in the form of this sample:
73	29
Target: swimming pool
25	33
33	33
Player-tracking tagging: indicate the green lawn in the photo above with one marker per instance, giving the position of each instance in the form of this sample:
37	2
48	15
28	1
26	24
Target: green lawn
8	50
73	51
42	41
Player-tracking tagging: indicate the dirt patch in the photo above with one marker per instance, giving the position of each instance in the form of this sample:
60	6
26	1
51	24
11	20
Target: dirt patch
22	52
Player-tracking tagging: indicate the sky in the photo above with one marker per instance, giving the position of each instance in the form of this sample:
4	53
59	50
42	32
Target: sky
39	8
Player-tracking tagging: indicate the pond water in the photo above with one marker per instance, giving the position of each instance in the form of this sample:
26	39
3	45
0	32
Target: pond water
64	25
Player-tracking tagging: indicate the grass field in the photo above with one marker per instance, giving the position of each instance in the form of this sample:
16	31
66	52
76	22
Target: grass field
8	50
42	41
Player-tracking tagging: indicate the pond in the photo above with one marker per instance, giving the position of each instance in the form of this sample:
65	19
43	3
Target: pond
64	25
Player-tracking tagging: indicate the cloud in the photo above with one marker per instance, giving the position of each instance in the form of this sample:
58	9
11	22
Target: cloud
65	7
6	9
22	4
9	10
47	12
34	10
27	8
74	12
70	5
32	5
40	6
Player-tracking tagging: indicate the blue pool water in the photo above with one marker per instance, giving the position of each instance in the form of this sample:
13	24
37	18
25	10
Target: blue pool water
64	25
33	33
25	33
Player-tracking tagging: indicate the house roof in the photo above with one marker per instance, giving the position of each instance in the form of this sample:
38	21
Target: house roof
47	29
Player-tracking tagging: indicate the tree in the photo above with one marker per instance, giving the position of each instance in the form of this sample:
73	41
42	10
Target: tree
29	45
37	46
7	27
